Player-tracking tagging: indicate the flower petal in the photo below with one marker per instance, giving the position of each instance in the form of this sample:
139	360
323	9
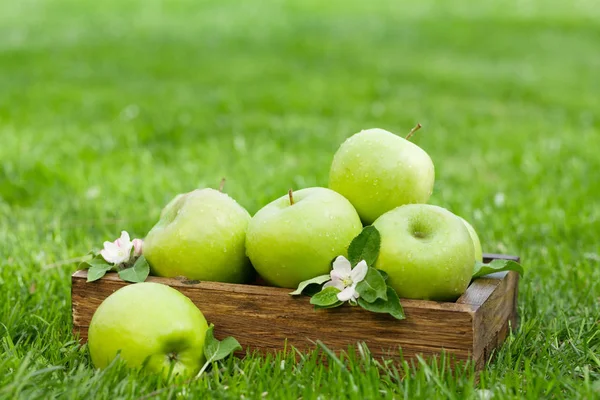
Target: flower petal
125	239
336	283
111	247
122	259
337	275
137	245
359	272
342	265
108	256
355	295
346	294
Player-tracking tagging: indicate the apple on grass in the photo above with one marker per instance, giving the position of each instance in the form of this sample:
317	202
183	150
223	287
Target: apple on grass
379	171
426	251
150	324
200	235
297	236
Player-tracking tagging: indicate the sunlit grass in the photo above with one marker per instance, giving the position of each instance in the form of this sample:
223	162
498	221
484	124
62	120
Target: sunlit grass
109	109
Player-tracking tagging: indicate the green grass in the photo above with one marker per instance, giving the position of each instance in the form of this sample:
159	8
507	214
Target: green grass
108	109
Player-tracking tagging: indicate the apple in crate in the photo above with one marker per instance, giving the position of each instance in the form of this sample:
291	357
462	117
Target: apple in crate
476	241
150	324
427	252
379	171
200	235
297	236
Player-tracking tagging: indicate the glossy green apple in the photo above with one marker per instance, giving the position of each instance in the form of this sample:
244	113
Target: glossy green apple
289	243
426	251
476	241
379	171
200	235
149	324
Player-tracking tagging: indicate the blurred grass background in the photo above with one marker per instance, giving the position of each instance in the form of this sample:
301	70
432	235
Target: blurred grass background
108	109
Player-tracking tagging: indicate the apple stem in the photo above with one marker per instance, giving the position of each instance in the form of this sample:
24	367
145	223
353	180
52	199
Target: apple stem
412	131
290	192
221	185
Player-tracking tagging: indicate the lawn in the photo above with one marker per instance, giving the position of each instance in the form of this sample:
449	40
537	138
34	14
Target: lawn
108	109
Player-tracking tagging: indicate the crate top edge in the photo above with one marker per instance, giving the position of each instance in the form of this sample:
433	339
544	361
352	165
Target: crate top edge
249	289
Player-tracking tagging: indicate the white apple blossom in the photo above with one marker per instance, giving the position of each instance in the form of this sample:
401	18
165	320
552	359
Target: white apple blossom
119	251
137	246
345	278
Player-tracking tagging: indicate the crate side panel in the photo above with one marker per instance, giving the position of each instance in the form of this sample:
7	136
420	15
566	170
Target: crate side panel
494	318
264	321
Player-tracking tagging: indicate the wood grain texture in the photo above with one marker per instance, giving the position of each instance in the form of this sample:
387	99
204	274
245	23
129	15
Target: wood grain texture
266	318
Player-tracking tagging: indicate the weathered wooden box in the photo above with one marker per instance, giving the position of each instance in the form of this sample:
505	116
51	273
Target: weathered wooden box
263	318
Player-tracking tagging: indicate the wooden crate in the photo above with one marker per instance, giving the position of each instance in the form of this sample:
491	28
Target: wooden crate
262	318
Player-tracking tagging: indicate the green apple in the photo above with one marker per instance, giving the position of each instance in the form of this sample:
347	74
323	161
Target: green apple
200	235
426	251
476	241
379	171
150	324
297	236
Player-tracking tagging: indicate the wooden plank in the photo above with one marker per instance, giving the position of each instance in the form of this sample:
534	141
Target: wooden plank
480	290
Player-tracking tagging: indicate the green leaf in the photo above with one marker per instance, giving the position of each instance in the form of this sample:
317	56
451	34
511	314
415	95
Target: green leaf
216	350
390	306
365	246
319	280
96	259
373	287
482	269
326	298
384	274
136	273
96	270
334	305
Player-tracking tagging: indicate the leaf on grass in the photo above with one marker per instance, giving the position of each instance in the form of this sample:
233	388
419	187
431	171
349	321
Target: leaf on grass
390	306
365	246
326	298
136	273
373	287
319	280
482	269
216	350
